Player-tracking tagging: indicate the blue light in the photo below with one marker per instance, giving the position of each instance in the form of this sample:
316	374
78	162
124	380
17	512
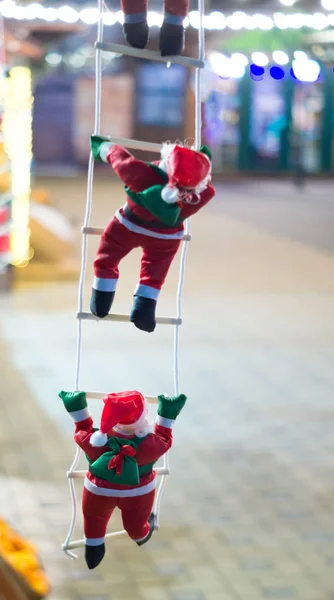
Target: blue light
256	72
277	72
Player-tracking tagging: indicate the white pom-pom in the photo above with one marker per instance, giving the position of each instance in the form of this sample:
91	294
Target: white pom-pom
170	194
98	439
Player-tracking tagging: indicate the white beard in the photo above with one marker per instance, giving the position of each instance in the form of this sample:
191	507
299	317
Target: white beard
167	149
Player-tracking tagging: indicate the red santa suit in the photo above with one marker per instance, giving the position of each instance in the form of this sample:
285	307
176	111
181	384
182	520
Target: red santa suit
134	226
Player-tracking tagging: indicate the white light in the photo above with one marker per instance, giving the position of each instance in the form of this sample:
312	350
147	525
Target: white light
219	19
330	19
300	55
154	19
221	65
50	14
209	22
67	14
288	2
263	22
34	11
280	20
250	23
77	61
280	57
239	58
186	22
260	59
120	16
7	9
237	20
109	18
306	70
89	15
20	13
295	21
54	59
194	19
328	4
320	21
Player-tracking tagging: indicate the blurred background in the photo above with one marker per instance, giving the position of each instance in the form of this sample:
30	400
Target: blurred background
248	510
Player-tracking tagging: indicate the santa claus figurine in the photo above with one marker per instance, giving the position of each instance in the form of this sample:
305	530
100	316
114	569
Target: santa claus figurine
121	458
136	30
160	196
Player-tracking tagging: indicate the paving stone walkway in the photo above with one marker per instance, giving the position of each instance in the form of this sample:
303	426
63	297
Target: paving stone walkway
248	510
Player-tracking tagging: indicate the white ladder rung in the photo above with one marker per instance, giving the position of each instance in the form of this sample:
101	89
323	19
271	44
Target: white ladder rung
82	474
81	543
186	61
101	395
83	316
100	230
135	144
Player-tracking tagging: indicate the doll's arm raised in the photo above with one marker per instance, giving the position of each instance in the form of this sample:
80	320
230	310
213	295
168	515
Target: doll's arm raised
157	444
76	405
134	173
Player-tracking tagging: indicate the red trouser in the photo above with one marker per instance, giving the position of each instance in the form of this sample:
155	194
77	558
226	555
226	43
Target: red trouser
117	241
178	8
135	510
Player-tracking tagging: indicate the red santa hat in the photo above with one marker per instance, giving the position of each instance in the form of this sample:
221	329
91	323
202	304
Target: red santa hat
188	169
122	408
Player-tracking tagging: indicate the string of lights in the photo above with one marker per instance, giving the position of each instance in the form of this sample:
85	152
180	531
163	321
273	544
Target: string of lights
216	20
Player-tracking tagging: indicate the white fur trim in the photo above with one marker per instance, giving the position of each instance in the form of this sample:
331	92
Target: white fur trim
104	149
178	235
163	422
115	493
170	194
98	439
94	541
80	415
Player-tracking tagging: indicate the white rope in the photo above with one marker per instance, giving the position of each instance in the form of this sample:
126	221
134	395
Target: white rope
90	179
198	129
198	135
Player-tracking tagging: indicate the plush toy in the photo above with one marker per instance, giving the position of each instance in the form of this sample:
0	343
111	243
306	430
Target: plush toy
136	29
121	458
160	196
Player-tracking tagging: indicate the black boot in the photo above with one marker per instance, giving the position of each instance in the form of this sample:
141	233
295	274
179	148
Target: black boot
151	522
171	39
143	313
94	555
100	303
136	34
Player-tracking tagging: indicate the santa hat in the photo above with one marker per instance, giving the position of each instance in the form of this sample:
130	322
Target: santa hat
122	408
187	168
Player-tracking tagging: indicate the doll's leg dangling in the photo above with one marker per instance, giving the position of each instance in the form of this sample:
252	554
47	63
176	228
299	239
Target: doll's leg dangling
135	27
172	31
156	259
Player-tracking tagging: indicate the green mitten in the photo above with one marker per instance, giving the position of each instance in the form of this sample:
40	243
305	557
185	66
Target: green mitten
170	408
76	405
99	147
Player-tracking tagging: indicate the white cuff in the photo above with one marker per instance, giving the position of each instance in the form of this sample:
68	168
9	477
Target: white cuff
104	149
80	415
168	423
